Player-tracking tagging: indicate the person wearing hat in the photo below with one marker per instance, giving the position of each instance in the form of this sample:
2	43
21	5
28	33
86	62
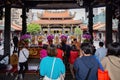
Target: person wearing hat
66	50
50	40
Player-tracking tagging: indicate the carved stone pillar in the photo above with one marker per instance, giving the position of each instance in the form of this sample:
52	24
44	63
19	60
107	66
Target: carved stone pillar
24	24
7	28
108	38
119	29
90	22
71	29
63	29
48	29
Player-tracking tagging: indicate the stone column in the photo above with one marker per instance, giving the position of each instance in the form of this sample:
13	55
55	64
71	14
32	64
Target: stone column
90	22
108	38
7	28
119	28
48	29
24	24
71	29
63	29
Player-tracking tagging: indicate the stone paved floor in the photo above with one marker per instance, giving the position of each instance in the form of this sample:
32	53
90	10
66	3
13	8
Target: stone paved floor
32	74
28	76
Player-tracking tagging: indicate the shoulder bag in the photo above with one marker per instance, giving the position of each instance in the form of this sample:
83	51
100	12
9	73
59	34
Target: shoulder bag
24	54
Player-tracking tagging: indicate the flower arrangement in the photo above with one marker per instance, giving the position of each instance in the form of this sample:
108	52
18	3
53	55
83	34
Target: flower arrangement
86	37
25	37
72	37
40	38
50	37
63	37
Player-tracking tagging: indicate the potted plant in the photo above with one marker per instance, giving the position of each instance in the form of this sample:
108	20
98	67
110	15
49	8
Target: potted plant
86	37
40	39
25	38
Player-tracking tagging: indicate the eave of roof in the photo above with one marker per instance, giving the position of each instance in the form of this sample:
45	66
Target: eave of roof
57	21
16	27
13	27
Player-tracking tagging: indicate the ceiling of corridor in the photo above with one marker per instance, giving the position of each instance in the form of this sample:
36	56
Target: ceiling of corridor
52	4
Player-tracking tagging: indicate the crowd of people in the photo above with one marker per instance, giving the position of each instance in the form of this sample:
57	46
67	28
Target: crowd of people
79	58
82	60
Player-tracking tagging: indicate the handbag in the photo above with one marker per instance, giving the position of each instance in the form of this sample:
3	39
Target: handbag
102	74
14	59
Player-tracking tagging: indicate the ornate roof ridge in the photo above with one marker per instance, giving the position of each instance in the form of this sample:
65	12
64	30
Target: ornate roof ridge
62	11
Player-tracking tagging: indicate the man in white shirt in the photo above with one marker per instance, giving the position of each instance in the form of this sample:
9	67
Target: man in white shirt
101	52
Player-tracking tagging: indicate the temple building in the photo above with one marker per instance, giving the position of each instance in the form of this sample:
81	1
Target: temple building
57	22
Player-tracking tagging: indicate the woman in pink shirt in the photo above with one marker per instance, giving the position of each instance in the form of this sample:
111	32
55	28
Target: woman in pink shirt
43	52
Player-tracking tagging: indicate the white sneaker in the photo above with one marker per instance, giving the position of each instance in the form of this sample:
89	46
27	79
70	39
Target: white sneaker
11	74
16	78
21	77
6	73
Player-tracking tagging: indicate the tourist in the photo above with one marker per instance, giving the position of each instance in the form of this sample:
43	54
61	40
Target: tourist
13	61
60	52
52	67
111	62
15	41
101	52
86	67
23	60
43	51
76	43
73	56
66	49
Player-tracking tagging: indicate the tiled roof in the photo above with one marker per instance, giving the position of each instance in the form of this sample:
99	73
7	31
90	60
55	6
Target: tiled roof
16	27
13	26
58	22
96	26
56	14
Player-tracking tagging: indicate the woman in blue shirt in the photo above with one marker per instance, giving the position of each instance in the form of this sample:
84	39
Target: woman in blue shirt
50	66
